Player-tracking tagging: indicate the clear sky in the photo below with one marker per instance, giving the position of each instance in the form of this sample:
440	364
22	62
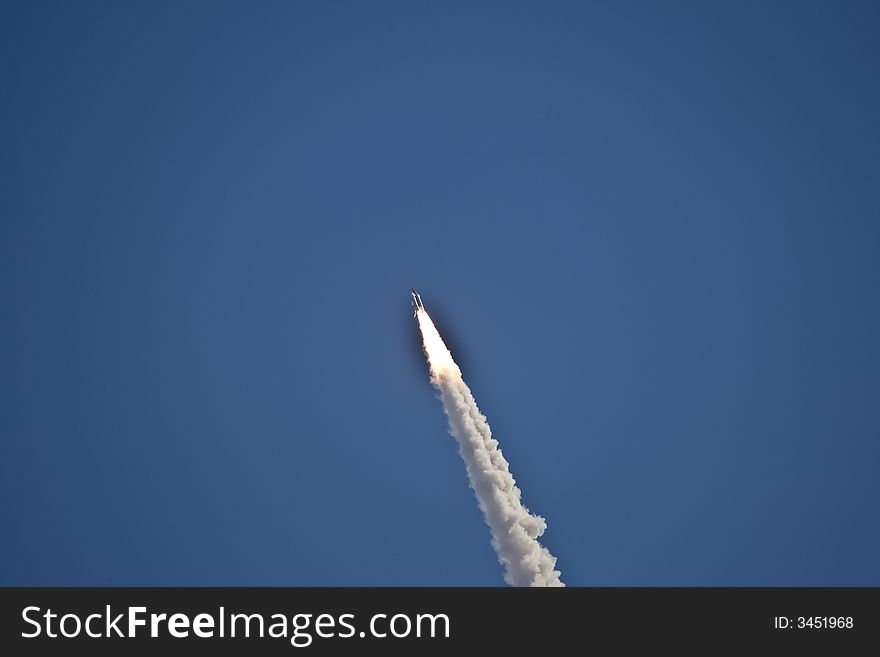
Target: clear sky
649	231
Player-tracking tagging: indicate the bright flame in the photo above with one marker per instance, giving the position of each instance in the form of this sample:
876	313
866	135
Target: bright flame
439	357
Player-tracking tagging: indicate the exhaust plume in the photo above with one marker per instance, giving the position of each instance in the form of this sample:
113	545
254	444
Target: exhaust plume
514	530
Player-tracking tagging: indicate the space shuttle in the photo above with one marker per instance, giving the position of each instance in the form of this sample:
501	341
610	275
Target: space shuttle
416	302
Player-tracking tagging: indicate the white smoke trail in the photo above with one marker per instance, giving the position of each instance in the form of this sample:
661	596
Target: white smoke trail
514	529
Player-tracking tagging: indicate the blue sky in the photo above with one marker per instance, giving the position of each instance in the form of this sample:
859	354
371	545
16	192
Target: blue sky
648	231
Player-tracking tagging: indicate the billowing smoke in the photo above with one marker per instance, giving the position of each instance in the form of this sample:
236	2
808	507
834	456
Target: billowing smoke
514	530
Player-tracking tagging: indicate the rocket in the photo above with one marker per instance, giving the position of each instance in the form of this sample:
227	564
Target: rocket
416	302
